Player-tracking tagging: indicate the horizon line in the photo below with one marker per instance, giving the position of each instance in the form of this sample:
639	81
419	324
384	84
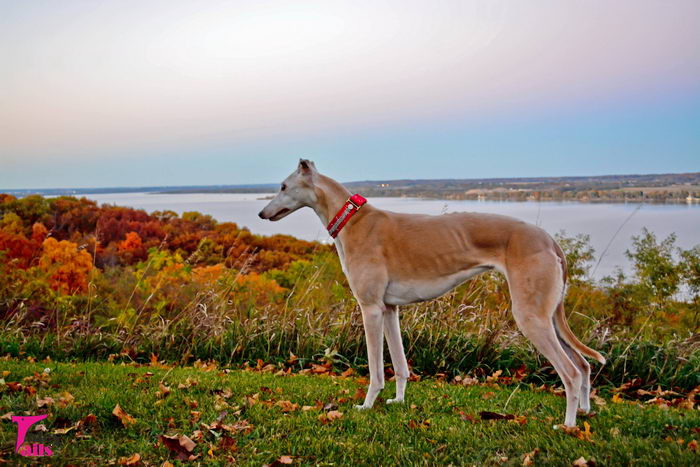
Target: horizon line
267	184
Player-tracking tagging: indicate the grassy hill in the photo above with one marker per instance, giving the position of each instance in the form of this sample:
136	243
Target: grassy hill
262	416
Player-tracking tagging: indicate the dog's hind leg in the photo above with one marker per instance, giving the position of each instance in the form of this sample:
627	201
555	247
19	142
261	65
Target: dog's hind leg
392	331
373	319
536	292
585	368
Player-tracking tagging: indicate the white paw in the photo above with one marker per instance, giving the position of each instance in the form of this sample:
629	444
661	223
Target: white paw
361	407
394	401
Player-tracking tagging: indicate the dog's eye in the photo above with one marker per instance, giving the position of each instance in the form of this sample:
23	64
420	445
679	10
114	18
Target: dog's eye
284	187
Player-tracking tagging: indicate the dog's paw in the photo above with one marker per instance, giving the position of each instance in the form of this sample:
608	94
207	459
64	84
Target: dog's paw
361	407
394	401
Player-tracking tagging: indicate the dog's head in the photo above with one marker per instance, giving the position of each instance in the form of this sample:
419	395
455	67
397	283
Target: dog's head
296	191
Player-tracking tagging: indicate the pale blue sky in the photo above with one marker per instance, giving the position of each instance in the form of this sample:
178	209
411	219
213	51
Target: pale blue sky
121	93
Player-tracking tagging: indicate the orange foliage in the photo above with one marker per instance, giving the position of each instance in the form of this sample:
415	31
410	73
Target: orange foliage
132	242
207	274
68	267
39	232
131	248
21	249
17	247
253	286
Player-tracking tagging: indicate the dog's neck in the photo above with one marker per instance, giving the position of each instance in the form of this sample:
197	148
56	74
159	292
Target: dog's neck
331	197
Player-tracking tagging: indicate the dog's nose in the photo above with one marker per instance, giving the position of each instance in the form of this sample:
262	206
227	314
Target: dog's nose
260	215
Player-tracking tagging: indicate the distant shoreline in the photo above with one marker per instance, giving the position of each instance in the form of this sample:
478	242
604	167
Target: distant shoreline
653	188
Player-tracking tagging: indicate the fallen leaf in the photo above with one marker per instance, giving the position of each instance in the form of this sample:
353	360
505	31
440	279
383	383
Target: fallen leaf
494	377
63	431
287	406
133	460
359	395
188	383
327	417
163	392
576	432
635	383
467	418
488	395
485	415
123	417
582	462
466	380
179	444
65	400
330	406
529	456
285	459
90	419
425	424
227	443
597	399
45	402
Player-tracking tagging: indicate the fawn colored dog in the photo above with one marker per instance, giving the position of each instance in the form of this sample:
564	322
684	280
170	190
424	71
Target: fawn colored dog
393	259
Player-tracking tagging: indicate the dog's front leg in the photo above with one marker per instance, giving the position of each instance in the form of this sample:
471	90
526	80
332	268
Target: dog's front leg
392	332
373	319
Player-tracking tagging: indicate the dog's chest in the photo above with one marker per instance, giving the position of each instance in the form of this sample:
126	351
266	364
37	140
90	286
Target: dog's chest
402	292
341	255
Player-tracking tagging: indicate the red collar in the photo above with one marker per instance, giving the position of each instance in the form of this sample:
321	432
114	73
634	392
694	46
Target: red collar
349	209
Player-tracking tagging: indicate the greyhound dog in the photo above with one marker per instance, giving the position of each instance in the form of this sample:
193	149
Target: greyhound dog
393	259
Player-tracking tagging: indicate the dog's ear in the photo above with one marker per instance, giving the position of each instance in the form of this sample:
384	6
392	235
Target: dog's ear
306	166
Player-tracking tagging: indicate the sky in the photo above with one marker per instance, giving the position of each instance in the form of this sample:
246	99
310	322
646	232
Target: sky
151	93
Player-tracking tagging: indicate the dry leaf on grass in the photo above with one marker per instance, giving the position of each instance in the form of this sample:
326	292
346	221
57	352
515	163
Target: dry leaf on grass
163	392
486	415
123	417
529	456
45	402
582	462
327	417
181	445
63	431
576	432
133	460
425	424
287	406
359	395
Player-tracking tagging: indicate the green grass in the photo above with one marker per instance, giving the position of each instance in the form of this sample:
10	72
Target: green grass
428	429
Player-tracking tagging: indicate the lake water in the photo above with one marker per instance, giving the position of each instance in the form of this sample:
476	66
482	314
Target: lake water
600	221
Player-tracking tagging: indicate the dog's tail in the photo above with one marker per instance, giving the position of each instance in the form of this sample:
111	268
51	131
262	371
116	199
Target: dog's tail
562	326
565	332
